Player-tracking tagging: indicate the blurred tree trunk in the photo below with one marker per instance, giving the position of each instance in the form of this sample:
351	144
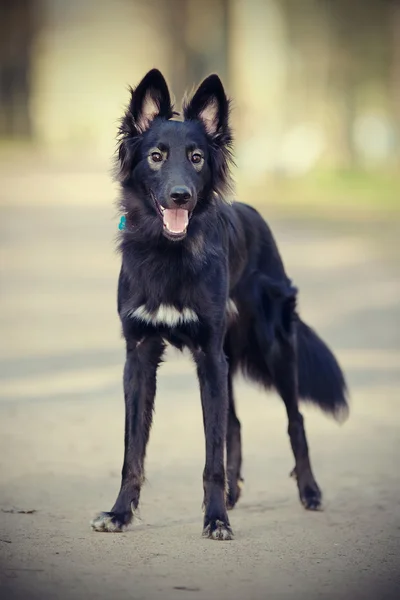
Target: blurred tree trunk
176	21
344	16
206	38
308	83
257	48
394	15
198	34
16	35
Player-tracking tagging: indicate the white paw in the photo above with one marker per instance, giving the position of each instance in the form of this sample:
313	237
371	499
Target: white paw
218	530
108	522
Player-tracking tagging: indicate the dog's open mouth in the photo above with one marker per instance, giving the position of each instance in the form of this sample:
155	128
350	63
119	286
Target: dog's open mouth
175	220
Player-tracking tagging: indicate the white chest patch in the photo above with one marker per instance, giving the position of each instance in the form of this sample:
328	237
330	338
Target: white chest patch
231	309
165	315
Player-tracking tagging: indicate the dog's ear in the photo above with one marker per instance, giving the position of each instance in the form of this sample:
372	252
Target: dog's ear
149	100
210	106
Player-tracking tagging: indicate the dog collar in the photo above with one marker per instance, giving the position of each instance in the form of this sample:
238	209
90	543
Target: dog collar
122	223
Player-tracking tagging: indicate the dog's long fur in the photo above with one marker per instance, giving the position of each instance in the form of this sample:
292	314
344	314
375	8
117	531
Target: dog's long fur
219	288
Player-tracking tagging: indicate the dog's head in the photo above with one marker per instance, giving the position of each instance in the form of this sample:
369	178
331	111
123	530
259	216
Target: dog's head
170	169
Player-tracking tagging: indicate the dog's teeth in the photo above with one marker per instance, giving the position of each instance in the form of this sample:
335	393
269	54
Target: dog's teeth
162	209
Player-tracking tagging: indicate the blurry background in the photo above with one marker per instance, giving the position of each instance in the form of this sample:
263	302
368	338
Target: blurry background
316	113
316	83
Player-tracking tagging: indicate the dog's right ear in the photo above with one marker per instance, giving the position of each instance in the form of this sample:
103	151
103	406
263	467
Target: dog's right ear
149	100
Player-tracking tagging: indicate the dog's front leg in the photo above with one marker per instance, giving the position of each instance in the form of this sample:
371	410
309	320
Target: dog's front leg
142	360
212	370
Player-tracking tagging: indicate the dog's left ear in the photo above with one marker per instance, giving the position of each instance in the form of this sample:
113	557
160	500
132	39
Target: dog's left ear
210	106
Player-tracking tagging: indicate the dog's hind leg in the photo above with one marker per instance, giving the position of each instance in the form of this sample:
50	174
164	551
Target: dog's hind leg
284	370
142	360
233	450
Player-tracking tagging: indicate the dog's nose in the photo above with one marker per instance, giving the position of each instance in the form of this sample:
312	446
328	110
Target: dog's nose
180	194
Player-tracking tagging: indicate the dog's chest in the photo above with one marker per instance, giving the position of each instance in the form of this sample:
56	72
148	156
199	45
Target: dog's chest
172	294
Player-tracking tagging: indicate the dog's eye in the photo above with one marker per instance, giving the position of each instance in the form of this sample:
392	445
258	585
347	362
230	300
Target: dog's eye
156	157
196	158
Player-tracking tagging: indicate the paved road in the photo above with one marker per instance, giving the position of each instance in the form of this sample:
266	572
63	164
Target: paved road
61	420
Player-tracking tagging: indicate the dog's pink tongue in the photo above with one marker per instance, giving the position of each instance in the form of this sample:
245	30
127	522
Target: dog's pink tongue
176	219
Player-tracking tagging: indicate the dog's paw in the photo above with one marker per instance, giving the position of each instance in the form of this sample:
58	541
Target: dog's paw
218	530
234	493
311	498
310	495
309	492
110	522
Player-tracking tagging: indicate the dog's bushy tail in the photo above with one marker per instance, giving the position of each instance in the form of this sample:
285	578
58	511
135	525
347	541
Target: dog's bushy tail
320	377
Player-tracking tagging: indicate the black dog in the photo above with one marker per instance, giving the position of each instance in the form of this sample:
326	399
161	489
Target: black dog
201	273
